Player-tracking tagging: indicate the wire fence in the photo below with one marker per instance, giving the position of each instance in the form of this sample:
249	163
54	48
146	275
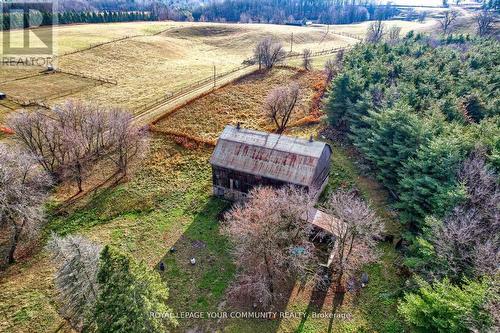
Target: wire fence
346	34
94	45
87	76
143	108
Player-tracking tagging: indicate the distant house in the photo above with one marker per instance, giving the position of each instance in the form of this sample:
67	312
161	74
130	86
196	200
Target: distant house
245	158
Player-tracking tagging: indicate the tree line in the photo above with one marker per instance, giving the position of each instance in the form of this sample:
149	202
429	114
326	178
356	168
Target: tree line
290	11
424	113
63	145
20	20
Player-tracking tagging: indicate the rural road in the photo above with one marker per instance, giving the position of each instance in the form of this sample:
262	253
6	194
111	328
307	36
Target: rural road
153	114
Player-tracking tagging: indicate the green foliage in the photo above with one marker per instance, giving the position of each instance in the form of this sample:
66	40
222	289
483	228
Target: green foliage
415	110
129	294
445	308
427	182
391	138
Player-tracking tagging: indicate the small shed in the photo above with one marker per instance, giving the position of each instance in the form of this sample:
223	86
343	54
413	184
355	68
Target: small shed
2	95
245	158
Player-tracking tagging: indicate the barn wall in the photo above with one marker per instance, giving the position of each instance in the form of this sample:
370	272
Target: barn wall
234	185
322	169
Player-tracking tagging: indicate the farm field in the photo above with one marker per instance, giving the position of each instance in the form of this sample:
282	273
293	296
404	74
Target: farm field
152	65
167	202
159	58
242	102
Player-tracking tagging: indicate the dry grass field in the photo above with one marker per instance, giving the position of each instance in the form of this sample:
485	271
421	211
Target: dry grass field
160	57
152	65
242	102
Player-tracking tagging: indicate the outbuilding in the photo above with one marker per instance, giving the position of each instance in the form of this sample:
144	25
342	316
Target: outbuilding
245	158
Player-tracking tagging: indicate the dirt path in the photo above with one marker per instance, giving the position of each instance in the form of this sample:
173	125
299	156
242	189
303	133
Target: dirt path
151	115
160	110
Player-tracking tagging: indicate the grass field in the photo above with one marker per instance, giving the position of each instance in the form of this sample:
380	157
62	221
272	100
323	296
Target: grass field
242	102
161	57
152	65
168	203
168	200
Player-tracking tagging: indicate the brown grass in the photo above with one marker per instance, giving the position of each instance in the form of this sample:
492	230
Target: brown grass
241	101
150	66
43	86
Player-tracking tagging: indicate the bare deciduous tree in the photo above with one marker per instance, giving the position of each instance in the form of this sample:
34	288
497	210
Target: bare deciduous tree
270	233
77	263
70	139
394	33
306	59
375	32
448	20
333	66
422	16
330	69
485	21
128	140
280	103
268	53
356	228
23	189
467	242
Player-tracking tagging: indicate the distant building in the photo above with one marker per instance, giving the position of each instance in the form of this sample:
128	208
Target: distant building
245	158
2	95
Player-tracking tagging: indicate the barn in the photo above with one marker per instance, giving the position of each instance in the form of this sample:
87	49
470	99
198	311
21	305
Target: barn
245	158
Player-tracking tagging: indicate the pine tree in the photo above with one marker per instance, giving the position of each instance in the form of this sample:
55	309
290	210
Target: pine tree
445	308
428	181
393	136
130	295
77	260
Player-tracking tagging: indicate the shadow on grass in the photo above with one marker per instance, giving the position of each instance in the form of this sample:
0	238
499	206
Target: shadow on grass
198	289
317	301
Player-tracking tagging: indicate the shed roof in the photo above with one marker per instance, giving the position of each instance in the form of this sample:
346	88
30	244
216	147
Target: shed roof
280	157
325	221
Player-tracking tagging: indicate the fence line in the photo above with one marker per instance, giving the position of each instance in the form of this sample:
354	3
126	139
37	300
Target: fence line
90	77
24	77
93	46
143	108
346	34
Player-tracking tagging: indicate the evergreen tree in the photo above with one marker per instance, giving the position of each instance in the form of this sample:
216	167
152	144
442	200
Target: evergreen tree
428	183
393	136
129	294
445	308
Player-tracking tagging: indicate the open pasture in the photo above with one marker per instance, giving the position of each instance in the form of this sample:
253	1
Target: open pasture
46	86
161	58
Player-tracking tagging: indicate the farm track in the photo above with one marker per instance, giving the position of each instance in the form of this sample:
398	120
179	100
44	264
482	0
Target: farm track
170	105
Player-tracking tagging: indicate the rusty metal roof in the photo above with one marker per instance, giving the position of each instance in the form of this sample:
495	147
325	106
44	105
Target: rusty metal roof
280	157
